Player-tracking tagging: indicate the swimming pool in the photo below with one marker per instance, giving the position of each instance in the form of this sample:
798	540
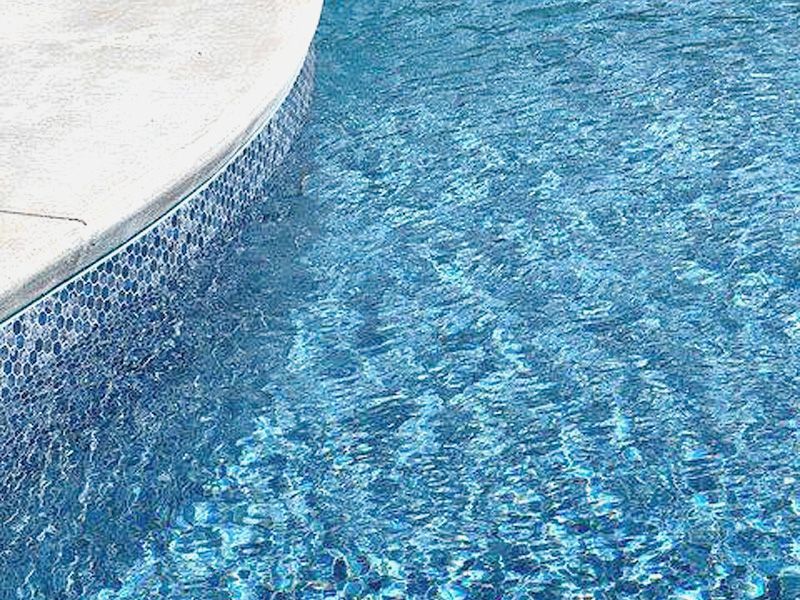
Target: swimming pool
518	318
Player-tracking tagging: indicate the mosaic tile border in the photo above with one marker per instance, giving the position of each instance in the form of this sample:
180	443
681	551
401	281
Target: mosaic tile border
129	278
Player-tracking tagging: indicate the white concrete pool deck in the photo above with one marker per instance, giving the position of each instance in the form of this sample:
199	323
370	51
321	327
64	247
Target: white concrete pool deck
112	112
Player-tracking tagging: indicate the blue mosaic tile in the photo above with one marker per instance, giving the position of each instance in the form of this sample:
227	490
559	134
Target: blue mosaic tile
130	278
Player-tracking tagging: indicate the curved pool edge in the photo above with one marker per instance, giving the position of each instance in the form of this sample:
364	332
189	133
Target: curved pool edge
36	340
59	218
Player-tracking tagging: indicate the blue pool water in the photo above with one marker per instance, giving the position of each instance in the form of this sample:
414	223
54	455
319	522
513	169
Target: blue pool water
520	318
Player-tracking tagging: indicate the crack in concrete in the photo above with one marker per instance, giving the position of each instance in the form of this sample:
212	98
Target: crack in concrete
43	216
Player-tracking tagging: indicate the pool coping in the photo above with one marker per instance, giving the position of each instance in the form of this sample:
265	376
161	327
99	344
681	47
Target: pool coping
46	239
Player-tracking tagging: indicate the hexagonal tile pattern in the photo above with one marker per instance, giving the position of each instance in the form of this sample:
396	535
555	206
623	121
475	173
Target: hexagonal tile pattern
124	281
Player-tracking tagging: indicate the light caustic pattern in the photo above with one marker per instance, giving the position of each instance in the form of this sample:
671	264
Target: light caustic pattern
521	319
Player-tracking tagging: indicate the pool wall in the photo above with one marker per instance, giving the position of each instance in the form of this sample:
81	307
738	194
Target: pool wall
130	278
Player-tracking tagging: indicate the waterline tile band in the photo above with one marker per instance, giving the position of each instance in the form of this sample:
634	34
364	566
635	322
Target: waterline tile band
129	278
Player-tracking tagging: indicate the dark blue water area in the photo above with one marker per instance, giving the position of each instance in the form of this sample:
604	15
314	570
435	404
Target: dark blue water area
520	318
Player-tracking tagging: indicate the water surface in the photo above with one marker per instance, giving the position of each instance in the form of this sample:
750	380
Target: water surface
520	319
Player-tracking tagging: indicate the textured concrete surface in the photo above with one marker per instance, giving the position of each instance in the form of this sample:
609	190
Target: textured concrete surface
112	112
